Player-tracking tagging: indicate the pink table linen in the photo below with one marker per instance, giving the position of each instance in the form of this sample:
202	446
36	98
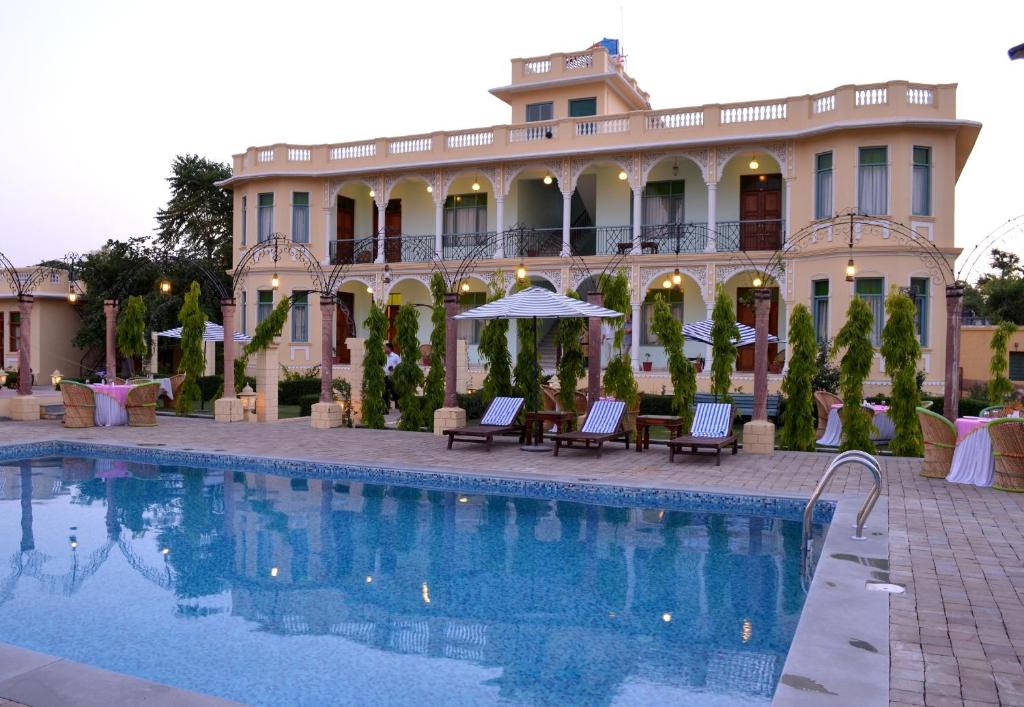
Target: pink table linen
973	462
110	400
966	425
117	392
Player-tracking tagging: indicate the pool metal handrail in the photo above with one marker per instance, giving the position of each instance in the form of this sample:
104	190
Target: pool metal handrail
852	456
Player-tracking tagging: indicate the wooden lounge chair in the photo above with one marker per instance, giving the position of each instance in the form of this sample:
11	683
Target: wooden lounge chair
603	424
501	417
1007	435
141	405
79	404
939	436
823	402
711	429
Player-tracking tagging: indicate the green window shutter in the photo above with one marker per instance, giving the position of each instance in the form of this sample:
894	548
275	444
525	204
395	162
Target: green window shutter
582	107
1017	365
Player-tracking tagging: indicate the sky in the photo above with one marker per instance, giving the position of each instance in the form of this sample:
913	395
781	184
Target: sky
98	97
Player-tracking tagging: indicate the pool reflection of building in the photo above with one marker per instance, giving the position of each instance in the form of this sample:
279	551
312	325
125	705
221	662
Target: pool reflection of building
562	597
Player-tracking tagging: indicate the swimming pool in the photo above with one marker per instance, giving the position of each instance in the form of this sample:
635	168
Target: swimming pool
274	588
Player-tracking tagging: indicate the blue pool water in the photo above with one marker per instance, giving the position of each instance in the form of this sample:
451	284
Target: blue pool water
280	590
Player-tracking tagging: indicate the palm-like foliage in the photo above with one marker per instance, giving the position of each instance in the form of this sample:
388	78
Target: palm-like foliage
999	386
798	416
193	362
854	339
408	376
723	351
493	348
373	368
901	351
681	371
131	330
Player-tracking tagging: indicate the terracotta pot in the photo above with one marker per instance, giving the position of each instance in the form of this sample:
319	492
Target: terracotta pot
647	365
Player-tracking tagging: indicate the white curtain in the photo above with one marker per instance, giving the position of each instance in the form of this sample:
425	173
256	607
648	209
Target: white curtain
922	193
300	224
874	189
266	224
823	198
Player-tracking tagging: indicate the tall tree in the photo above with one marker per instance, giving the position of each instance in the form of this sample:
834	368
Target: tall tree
131	331
197	219
408	376
724	333
999	386
901	351
373	368
493	347
854	339
680	370
193	362
618	374
527	369
433	387
797	431
572	364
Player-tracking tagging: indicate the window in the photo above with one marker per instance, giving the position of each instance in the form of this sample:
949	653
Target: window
1017	365
469	329
264	305
663	203
919	293
582	107
300	216
266	217
300	316
14	332
675	303
245	218
819	309
823	185
872	291
540	111
873	181
464	214
922	181
245	313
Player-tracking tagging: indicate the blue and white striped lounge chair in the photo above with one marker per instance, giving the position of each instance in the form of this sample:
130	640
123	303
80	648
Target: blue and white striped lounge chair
711	429
501	417
603	424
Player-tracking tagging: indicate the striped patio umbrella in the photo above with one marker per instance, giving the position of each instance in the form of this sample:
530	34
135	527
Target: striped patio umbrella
213	332
701	331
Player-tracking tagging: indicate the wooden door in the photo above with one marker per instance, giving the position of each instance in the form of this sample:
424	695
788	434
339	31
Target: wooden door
760	211
346	230
392	312
392	230
345	324
745	314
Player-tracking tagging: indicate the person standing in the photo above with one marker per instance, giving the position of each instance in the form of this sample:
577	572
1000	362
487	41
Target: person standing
391	362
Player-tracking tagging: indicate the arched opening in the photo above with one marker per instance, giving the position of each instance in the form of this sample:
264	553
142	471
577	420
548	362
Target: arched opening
751	203
469	216
687	305
674	207
408	291
353	228
535	202
353	304
409	234
601	209
740	287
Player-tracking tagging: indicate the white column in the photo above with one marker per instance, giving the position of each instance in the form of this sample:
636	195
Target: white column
634	339
330	232
381	229
712	219
786	196
499	226
637	220
439	228
566	222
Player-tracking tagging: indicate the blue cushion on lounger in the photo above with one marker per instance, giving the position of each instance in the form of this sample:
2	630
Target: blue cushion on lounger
712	420
502	411
604	417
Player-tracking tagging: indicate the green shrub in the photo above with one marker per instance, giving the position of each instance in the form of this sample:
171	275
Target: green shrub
433	384
473	404
723	351
999	386
344	390
193	361
900	351
290	392
306	403
493	348
656	405
854	340
619	381
797	431
684	381
210	387
373	368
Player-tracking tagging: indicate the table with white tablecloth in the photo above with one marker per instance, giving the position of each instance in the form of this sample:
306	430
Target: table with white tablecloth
165	388
973	462
834	426
110	401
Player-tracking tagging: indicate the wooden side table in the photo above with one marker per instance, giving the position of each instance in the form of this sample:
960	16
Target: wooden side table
644	423
563	422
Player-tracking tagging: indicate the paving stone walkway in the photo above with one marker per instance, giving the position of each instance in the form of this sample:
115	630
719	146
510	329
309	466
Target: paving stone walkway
956	635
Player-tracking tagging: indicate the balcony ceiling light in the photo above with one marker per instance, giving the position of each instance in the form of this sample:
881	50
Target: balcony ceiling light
430	189
548	179
372	193
521	272
465	287
476	185
623	176
754	164
275	281
758	281
667	284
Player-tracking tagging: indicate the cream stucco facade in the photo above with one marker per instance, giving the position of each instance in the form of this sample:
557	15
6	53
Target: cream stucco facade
52	328
720	192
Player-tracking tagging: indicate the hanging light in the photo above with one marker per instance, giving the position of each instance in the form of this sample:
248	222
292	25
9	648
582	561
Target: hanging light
74	542
386	278
372	193
56	377
675	168
757	281
851	270
165	286
754	164
369	290
72	295
275	281
369	579
476	185
677	277
667	284
521	271
430	189
548	179
623	176
465	287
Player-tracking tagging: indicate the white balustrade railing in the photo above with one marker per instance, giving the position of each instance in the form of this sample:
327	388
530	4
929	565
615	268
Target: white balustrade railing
298	154
265	156
877	96
602	127
825	104
473	139
533	132
537	66
351	152
414	144
754	113
920	96
579	61
678	119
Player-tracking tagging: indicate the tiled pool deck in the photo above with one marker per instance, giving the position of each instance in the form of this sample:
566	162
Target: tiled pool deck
956	635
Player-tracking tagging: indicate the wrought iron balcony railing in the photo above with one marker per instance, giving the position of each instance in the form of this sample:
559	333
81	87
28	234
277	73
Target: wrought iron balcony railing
731	236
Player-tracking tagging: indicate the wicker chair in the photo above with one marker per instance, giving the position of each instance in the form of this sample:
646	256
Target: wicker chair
139	381
1007	435
939	441
991	411
79	404
823	402
119	381
177	380
141	405
549	398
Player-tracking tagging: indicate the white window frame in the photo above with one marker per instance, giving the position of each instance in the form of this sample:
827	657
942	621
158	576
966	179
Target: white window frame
814	200
931	181
828	308
295	208
297	308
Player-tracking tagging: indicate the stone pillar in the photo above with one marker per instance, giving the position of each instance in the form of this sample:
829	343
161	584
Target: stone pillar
712	241
381	230
439	227
228	408
499	246
954	312
638	202
566	224
594	351
759	433
326	413
154	353
110	313
634	339
267	372
451	415
25	347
